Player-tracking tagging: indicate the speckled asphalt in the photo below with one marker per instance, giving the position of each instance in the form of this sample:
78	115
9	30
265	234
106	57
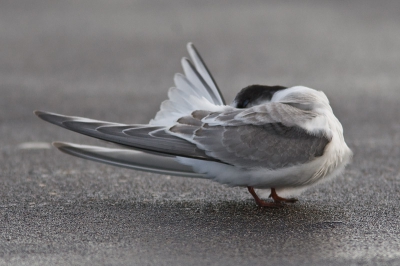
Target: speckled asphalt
115	60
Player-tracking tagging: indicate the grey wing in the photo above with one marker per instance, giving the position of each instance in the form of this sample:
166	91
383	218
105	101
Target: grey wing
248	142
272	145
151	139
273	112
128	158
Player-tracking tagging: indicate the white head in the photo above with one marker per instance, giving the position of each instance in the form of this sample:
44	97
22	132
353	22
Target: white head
303	98
299	96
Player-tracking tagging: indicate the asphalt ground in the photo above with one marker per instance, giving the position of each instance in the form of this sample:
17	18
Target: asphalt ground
115	60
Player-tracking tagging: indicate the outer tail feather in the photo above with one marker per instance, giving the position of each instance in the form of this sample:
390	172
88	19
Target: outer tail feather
205	73
194	89
131	159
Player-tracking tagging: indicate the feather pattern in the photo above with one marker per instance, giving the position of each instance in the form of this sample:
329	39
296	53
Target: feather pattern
244	143
147	138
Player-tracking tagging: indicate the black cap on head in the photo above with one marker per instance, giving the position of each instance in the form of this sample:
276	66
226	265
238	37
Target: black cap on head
255	94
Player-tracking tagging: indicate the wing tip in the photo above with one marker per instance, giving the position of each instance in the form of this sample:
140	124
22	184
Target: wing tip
46	116
39	113
58	144
53	118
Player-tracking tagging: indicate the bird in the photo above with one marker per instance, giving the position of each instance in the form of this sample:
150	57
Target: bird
277	138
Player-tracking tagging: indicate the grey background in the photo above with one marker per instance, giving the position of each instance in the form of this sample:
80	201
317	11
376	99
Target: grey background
115	60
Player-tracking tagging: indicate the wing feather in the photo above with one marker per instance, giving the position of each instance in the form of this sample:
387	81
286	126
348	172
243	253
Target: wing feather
142	137
261	136
132	159
272	112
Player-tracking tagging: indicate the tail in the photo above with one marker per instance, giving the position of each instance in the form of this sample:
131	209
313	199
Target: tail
196	90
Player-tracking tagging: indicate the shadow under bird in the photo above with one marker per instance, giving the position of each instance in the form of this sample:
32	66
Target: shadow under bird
269	137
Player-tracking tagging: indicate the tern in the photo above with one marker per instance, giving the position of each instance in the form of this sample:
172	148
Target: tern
284	139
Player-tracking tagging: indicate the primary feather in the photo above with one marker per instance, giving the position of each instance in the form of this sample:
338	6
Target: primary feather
128	158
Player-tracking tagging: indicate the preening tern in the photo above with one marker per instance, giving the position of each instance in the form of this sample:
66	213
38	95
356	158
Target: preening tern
270	137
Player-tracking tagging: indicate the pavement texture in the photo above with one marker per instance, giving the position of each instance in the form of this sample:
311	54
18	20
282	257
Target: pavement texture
115	60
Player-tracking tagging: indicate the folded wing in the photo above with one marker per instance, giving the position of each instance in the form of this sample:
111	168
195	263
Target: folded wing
150	139
258	137
249	138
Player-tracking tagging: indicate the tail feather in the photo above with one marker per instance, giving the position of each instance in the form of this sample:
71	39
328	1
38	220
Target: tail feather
205	74
192	91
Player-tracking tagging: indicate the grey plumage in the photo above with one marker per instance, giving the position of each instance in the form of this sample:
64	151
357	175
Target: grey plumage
240	137
249	145
146	138
129	158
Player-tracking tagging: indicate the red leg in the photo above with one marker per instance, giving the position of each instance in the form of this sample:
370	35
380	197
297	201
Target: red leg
276	198
262	203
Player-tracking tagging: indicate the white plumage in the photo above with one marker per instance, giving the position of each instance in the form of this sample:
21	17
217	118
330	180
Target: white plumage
270	137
